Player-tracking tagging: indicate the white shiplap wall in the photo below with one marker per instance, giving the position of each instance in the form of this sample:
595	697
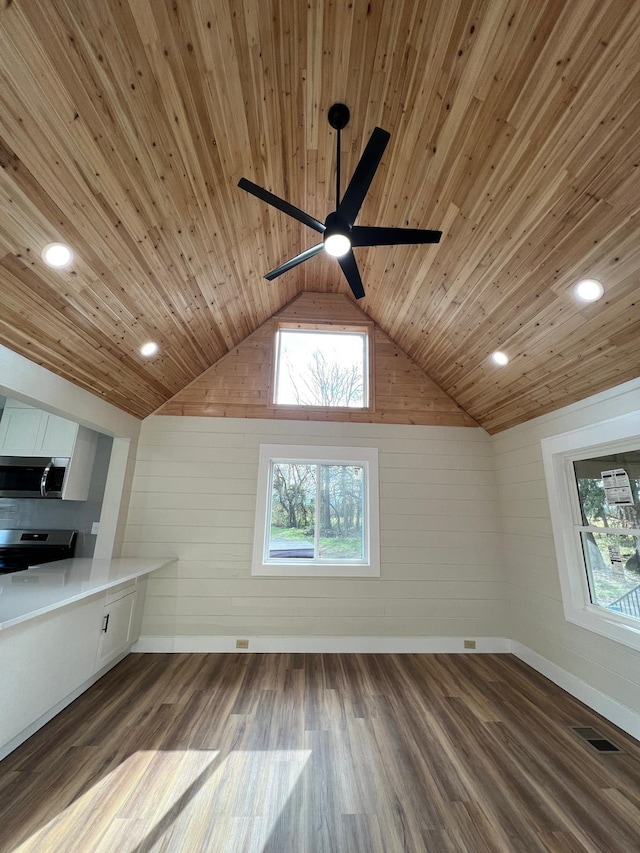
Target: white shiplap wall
534	601
194	495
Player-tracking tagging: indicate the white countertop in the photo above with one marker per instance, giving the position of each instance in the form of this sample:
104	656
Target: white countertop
40	589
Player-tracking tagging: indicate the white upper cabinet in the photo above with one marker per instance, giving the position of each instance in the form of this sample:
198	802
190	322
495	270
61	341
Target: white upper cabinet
57	436
25	431
19	430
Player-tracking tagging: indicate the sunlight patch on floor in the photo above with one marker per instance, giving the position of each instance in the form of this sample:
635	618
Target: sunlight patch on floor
180	799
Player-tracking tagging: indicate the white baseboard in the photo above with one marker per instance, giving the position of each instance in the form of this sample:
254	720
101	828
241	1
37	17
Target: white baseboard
33	727
620	715
360	645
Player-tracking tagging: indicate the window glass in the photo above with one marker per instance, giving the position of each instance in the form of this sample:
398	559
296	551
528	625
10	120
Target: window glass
321	368
608	488
317	512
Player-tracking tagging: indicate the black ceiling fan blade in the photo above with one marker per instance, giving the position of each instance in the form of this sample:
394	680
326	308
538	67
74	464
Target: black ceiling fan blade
281	204
352	274
360	182
293	262
365	235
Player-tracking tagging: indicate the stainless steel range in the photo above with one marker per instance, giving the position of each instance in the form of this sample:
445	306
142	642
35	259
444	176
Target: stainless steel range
20	549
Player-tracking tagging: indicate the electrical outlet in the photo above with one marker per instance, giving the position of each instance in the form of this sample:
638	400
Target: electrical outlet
242	644
469	644
95	527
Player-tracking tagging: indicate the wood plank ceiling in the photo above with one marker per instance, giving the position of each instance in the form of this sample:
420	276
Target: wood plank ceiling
126	124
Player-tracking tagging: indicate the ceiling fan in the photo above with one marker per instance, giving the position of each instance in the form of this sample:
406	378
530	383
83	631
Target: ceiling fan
339	233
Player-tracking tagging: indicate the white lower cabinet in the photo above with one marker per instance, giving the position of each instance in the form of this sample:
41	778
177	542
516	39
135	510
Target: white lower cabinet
43	661
116	628
48	661
121	620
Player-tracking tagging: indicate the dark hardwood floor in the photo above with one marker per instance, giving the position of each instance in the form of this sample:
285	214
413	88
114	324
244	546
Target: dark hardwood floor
313	753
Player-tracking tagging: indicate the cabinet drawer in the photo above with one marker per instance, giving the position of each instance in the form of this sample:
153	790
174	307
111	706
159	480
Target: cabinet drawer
120	591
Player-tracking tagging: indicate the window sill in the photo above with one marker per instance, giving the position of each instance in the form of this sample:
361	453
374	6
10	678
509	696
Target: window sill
288	408
315	570
607	624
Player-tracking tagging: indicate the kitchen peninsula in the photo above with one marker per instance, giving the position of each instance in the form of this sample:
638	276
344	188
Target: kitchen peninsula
41	589
62	626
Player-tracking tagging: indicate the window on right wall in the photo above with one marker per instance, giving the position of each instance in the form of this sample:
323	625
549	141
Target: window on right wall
593	483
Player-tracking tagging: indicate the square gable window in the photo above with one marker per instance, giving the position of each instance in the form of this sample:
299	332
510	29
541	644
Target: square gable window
322	366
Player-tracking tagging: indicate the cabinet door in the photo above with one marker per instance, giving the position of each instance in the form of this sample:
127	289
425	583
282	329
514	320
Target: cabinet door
43	661
116	629
20	431
57	436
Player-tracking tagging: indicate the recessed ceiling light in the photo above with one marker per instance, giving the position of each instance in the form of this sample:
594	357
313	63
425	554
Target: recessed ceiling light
57	255
500	358
150	348
588	290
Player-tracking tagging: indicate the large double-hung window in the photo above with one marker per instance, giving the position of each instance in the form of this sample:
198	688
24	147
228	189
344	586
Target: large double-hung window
593	481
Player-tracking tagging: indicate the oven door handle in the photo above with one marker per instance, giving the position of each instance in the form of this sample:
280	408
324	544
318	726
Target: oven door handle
45	477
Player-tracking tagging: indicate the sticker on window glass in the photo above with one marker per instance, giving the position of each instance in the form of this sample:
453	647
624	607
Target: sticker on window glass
617	490
615	558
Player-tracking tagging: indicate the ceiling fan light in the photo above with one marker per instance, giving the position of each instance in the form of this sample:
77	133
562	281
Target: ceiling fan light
57	255
588	290
337	245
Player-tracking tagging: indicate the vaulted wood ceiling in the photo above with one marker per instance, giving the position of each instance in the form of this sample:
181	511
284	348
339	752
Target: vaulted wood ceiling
126	124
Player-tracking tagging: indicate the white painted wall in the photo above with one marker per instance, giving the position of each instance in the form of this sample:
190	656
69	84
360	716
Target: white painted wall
194	494
534	603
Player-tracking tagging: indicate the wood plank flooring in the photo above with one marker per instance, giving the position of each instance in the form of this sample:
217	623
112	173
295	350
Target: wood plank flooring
284	753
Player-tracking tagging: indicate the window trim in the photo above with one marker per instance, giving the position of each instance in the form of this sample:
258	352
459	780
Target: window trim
365	328
559	452
367	457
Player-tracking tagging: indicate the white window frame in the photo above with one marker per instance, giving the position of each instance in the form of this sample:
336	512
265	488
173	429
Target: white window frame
559	452
367	457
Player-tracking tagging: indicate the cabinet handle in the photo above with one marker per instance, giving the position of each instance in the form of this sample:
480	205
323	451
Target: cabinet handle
105	623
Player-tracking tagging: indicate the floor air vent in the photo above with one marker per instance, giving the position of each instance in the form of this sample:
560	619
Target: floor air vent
595	739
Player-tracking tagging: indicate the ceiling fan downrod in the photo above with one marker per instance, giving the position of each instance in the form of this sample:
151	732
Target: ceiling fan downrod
338	119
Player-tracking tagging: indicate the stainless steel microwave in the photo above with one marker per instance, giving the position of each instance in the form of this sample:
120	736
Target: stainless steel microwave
32	476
